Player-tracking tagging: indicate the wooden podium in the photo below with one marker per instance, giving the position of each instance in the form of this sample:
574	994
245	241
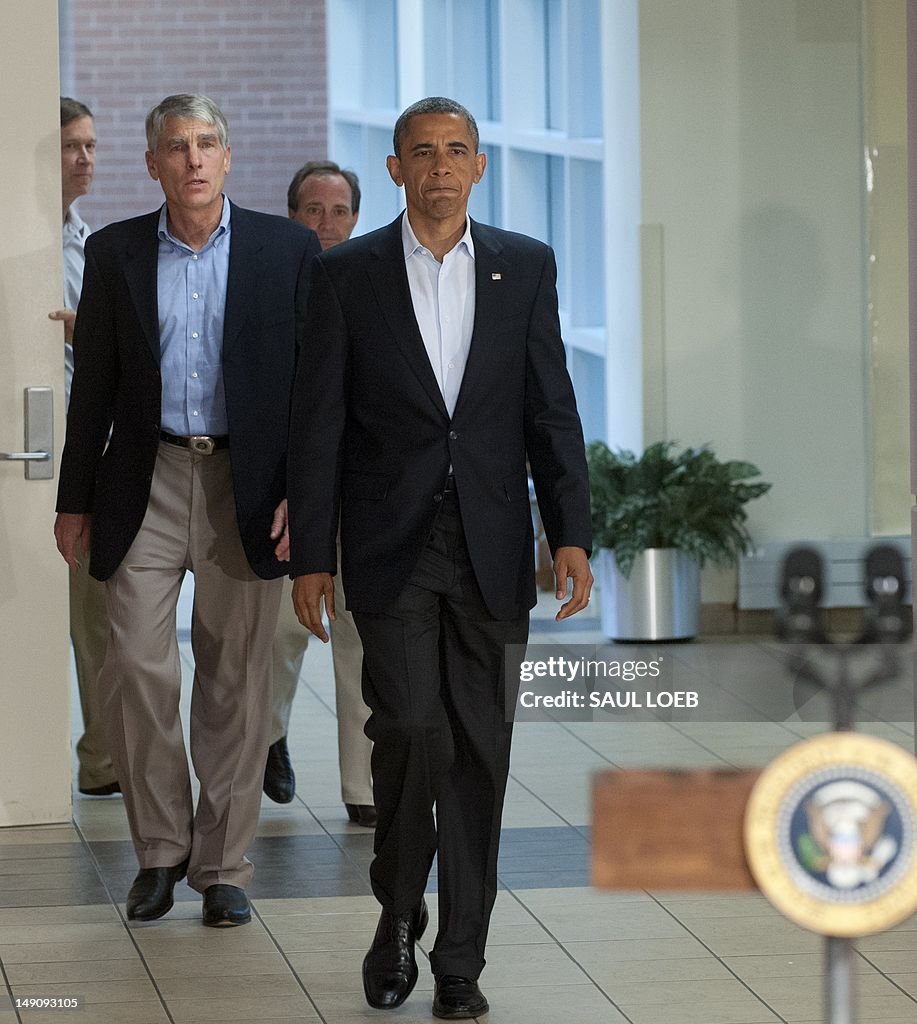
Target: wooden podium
689	834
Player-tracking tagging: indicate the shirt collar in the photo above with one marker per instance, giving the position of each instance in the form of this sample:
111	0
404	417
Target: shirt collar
165	235
411	245
74	223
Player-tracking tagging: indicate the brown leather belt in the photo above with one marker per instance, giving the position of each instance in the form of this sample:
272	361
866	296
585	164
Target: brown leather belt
200	444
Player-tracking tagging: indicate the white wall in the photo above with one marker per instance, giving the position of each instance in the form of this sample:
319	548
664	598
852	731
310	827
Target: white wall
34	664
751	128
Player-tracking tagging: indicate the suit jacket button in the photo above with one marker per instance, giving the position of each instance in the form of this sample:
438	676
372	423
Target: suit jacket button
437	498
453	436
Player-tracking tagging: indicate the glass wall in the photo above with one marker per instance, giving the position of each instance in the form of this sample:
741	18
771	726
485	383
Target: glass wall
768	219
529	71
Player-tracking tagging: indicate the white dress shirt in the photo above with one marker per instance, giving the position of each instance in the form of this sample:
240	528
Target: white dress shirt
443	297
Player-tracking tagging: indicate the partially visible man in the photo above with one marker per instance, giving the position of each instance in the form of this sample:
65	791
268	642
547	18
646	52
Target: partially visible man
326	199
434	366
88	613
175	460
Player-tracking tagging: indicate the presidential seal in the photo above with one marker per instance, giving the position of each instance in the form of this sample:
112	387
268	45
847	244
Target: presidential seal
830	834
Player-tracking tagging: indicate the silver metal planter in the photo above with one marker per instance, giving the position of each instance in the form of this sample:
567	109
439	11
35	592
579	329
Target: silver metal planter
660	601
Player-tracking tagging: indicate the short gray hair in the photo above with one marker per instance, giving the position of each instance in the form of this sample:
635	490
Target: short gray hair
433	105
185	105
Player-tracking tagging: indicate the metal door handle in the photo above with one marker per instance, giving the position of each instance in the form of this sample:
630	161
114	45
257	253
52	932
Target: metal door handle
38	405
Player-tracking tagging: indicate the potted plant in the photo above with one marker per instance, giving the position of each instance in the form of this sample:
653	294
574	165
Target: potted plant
659	519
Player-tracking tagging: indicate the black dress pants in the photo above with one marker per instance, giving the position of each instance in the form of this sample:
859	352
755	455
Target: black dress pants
434	679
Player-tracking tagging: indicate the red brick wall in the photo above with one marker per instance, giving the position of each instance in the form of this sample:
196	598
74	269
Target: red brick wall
261	61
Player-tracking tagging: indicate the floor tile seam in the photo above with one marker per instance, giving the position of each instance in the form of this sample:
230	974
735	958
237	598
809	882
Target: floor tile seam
324	703
889	978
707	749
544	803
673	725
285	958
528	910
123	920
360	867
9	992
718	958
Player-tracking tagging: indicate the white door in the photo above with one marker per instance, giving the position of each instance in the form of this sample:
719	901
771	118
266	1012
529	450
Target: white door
34	655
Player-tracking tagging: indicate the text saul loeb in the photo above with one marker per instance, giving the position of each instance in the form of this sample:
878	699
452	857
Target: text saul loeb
610	699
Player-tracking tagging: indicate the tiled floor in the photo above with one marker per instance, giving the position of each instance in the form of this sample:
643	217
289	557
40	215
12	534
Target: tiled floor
559	950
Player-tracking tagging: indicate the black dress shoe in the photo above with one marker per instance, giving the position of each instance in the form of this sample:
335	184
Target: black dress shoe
226	906
279	778
389	968
458	998
362	814
151	894
109	789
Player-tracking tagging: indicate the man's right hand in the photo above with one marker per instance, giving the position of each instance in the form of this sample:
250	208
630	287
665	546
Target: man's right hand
71	531
308	593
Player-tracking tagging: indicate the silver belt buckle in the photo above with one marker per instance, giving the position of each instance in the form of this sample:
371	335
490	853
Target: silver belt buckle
201	444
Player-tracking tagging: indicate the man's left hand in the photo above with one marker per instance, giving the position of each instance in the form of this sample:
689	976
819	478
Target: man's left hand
572	562
279	528
69	318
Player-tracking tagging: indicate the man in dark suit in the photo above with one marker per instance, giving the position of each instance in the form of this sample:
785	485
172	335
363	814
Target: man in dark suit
434	367
186	342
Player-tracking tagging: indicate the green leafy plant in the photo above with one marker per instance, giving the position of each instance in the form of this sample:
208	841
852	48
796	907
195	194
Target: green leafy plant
666	499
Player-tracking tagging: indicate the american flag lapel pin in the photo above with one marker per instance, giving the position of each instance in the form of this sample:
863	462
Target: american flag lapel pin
496	277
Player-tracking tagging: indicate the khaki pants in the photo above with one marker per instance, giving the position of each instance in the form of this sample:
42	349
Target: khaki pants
89	635
190	523
354	749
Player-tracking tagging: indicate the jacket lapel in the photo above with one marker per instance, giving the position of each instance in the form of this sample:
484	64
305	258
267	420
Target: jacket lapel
389	279
245	254
140	263
491	278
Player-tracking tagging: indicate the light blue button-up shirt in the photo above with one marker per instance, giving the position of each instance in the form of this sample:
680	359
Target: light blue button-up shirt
192	302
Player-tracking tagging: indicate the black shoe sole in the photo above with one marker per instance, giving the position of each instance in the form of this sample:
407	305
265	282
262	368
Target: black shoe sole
460	1014
110	789
226	923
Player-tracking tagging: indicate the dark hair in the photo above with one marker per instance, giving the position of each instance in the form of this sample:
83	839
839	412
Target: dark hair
324	167
185	105
433	105
70	110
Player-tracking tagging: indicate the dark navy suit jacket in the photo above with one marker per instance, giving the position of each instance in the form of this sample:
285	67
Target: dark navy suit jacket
371	435
117	387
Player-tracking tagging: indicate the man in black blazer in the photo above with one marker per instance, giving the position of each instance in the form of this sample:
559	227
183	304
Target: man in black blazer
434	368
175	459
